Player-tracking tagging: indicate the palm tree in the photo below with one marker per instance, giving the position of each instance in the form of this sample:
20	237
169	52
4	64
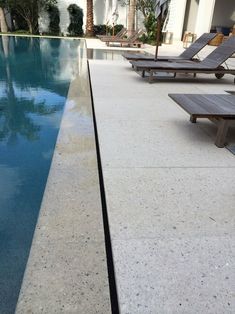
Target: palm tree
131	17
89	19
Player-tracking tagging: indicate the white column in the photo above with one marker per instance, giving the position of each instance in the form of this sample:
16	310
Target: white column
204	16
176	18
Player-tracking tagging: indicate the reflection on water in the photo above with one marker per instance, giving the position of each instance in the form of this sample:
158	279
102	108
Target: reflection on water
34	79
106	54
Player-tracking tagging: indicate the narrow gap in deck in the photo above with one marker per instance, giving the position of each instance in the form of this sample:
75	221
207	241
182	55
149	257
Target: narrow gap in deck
108	245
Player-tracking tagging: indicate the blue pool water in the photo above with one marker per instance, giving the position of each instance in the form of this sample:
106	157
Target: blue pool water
34	79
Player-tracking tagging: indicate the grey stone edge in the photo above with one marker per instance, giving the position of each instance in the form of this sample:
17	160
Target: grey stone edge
66	270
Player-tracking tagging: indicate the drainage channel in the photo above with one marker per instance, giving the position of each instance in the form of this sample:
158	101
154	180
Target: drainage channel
108	244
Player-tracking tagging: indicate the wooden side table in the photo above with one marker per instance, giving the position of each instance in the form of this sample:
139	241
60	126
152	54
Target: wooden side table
188	39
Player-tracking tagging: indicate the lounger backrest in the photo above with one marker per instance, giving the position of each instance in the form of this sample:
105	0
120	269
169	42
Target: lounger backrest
220	54
195	47
121	33
135	36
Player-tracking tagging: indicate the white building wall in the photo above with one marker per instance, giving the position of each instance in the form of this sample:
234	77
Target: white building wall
102	10
191	18
204	16
176	18
43	22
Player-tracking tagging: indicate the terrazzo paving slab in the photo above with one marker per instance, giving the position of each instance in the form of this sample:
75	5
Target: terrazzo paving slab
174	252
71	270
170	202
175	143
175	275
169	193
163	127
67	267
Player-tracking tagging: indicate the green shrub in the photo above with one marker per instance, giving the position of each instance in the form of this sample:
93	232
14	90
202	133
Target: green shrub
150	26
101	29
117	28
21	31
54	17
76	20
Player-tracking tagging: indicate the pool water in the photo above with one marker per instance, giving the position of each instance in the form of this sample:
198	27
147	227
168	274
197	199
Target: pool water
107	54
35	75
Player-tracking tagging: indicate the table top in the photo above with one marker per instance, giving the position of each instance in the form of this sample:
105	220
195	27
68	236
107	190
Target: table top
206	105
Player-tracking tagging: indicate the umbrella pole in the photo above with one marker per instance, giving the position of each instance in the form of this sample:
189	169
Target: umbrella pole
159	22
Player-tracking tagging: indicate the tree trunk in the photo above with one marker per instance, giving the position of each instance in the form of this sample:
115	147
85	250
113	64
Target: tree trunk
3	23
131	17
30	26
89	19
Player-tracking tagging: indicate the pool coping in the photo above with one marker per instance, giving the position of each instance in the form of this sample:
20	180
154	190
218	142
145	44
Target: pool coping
41	36
66	269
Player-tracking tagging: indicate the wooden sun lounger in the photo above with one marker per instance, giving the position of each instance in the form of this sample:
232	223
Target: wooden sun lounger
188	54
119	35
220	109
212	64
130	42
114	39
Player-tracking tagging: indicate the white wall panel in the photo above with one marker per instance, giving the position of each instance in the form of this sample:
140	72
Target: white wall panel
101	8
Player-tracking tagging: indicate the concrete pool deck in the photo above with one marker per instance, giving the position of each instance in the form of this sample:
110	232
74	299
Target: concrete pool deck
169	191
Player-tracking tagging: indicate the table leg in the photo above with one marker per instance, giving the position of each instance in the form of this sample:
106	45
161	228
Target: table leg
151	77
193	119
223	126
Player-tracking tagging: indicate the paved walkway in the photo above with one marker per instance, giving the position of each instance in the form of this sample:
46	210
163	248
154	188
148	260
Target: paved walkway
170	194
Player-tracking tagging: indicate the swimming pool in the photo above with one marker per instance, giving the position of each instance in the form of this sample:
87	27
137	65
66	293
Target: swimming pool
35	75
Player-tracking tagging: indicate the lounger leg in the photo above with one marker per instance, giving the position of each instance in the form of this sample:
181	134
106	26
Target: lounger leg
194	74
150	76
143	74
223	126
193	119
174	74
